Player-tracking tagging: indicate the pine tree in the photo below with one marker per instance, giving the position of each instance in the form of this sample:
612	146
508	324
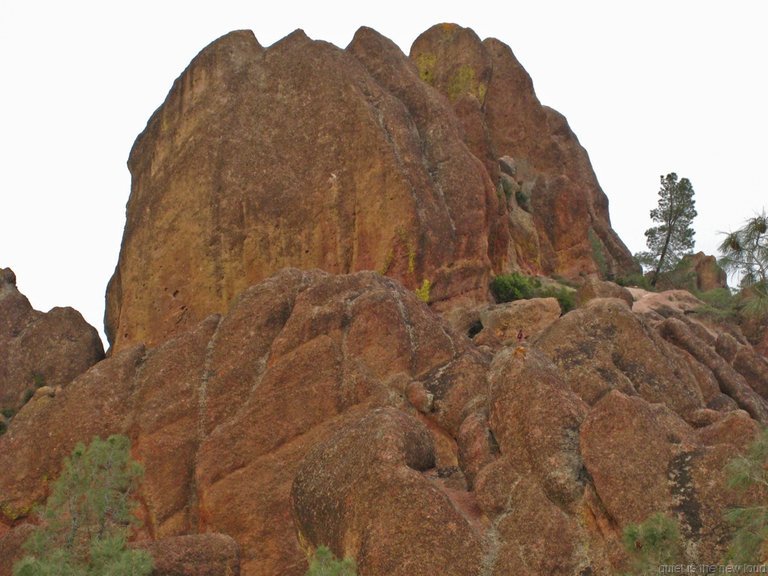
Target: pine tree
748	472
745	252
673	237
87	516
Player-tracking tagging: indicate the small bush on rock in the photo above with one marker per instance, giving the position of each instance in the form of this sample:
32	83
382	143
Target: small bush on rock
324	563
653	543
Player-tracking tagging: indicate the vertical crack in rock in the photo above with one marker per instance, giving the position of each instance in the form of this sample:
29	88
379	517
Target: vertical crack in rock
686	504
202	403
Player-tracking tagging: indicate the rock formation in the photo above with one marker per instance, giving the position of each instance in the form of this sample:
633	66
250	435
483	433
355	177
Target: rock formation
306	155
276	409
39	350
341	410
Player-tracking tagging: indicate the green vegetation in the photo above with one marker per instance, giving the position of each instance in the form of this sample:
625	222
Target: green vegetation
673	237
653	543
749	472
638	280
423	292
86	520
516	286
745	252
720	305
324	563
598	253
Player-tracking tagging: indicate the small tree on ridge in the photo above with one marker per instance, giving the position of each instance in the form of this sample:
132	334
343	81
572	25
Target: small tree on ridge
673	237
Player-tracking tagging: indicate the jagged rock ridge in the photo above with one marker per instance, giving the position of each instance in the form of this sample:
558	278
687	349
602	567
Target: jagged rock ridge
306	155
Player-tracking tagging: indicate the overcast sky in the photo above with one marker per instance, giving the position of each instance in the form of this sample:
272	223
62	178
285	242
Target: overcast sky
648	87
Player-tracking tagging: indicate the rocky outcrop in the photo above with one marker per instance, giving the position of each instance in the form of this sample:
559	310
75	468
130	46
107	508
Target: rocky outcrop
279	409
305	155
340	410
39	349
549	170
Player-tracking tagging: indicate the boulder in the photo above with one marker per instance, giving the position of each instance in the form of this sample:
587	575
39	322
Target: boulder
594	288
604	346
194	555
39	349
363	494
513	322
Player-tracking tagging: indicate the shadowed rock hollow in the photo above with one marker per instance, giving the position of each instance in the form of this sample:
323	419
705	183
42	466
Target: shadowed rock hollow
276	409
303	154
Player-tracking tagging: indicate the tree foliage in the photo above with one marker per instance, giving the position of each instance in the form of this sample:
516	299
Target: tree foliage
653	543
324	563
673	236
745	252
87	516
749	472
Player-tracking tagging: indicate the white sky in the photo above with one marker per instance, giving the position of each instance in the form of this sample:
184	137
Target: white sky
648	87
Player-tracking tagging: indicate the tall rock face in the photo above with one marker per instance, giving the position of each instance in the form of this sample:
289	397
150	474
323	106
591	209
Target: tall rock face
306	155
39	350
551	174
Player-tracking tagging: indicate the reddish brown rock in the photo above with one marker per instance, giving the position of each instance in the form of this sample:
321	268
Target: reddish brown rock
361	493
39	349
604	346
701	272
194	555
494	97
730	381
593	288
217	202
535	418
514	322
223	415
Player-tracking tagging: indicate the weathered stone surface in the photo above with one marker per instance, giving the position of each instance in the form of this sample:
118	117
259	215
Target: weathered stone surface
729	380
593	288
362	494
218	204
604	346
194	555
39	349
223	415
494	96
701	272
516	321
535	417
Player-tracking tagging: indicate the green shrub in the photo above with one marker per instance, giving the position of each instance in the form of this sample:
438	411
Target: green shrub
515	286
749	472
653	543
86	519
566	298
324	563
720	305
635	280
